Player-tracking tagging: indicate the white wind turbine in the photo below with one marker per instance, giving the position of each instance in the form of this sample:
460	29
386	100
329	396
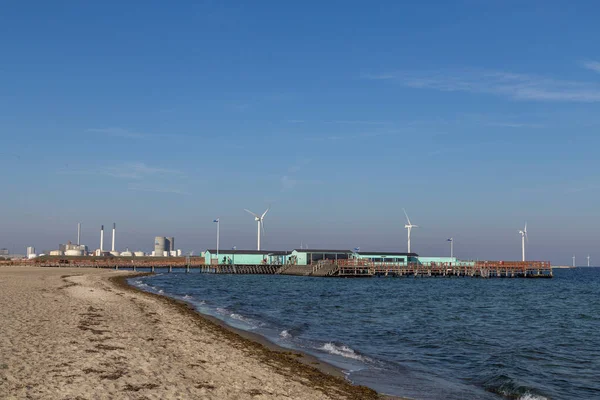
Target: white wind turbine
523	237
409	226
259	219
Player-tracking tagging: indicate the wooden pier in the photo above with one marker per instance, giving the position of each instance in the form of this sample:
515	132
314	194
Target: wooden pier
476	269
354	268
264	269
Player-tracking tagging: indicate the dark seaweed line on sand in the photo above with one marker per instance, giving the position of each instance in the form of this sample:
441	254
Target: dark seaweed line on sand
286	362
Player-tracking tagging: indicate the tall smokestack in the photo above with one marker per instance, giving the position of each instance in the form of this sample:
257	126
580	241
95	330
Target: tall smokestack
113	241
102	238
78	233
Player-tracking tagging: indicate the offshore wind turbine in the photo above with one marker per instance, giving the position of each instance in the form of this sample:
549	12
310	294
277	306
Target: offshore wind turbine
259	219
523	237
409	226
588	258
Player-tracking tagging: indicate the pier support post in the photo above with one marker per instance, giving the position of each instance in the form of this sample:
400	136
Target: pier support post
152	268
170	268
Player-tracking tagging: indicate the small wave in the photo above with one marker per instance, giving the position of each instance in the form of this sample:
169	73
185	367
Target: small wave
187	297
161	291
342	350
510	388
529	396
285	334
242	318
222	310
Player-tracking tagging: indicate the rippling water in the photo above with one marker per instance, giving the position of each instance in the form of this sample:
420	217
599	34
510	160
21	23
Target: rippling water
426	338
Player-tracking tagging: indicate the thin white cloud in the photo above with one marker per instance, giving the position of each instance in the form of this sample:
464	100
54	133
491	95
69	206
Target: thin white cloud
119	132
515	86
354	122
592	65
514	125
363	135
156	189
288	183
129	134
137	170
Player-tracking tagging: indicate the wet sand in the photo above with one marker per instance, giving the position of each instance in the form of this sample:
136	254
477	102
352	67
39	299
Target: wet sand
69	333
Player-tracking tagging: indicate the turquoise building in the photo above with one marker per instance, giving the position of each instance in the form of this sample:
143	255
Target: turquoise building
388	257
313	256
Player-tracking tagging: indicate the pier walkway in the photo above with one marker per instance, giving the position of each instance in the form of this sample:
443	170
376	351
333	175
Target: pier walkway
328	268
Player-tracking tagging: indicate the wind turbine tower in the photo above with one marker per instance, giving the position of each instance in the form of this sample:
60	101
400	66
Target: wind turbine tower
259	219
523	237
573	260
588	258
409	226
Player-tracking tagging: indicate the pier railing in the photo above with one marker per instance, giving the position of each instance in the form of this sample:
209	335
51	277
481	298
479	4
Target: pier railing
483	269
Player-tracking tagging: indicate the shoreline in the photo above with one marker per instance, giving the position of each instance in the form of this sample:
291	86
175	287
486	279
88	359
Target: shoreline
76	332
260	342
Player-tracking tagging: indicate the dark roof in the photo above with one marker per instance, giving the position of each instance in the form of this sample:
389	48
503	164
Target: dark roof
322	251
383	253
280	253
265	252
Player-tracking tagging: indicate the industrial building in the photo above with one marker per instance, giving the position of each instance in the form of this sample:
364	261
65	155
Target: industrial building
31	252
165	247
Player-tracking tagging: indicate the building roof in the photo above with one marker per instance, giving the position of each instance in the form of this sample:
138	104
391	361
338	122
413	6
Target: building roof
383	253
263	252
322	251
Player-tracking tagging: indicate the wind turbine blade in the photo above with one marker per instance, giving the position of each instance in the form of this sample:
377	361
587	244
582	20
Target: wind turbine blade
406	216
266	211
250	212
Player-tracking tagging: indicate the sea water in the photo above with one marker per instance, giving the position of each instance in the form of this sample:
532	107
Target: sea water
424	338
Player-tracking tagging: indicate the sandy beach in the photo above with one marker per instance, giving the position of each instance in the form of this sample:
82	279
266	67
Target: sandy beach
84	334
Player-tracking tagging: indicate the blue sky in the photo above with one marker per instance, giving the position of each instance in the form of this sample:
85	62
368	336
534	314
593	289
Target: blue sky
475	116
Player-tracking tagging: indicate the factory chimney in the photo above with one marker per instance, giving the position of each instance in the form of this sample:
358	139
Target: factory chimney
102	238
78	233
114	231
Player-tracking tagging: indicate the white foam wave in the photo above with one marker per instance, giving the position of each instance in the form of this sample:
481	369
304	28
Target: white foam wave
187	297
529	396
161	291
285	334
222	310
343	351
241	318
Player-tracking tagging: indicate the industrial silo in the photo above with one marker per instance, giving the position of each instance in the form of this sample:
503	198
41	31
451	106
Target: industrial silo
160	245
171	244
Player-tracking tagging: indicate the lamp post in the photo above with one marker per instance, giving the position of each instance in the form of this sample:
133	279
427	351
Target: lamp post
234	248
451	240
218	226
